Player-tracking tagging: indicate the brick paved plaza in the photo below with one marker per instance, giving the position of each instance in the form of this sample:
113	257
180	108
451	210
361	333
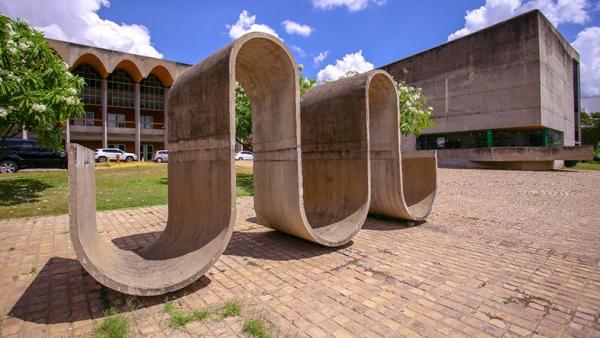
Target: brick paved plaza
503	254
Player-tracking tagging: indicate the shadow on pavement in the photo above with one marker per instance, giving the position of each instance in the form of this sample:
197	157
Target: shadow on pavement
64	292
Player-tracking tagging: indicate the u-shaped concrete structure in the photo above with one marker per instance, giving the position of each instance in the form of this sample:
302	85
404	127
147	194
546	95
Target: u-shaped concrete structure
312	167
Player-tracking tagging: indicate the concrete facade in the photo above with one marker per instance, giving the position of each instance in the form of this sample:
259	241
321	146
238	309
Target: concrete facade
518	76
139	127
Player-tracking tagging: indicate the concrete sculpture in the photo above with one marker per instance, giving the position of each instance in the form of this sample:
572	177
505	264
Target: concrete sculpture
312	176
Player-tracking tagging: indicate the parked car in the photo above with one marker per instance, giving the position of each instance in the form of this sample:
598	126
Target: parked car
105	154
19	154
161	156
244	155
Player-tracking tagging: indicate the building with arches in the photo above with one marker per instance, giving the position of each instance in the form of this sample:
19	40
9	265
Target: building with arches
125	98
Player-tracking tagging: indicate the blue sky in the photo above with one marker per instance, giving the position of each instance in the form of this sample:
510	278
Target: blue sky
384	30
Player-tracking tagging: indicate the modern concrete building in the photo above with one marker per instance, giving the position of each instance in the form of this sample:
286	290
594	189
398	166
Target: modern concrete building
125	98
512	85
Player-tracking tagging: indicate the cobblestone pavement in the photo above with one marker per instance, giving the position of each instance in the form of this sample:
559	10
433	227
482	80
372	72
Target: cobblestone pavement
504	254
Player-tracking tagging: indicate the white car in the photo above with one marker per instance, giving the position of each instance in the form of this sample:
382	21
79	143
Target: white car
161	156
105	154
244	155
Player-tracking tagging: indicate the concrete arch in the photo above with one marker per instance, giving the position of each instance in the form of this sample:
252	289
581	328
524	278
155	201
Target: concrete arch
404	185
92	60
163	74
130	68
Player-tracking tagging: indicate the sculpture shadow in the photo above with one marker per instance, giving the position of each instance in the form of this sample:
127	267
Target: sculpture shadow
275	245
270	244
384	223
64	292
21	190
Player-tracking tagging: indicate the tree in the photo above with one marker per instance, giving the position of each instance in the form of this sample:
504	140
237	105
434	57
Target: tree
36	88
590	130
243	118
415	112
243	111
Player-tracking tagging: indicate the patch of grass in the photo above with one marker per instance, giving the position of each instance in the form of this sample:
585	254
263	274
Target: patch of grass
66	232
231	309
587	166
251	263
33	270
113	326
31	194
178	319
244	181
12	248
256	327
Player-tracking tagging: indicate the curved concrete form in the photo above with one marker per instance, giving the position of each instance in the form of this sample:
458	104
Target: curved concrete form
403	184
201	130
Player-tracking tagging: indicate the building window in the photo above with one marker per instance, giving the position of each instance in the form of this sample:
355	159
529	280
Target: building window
120	89
491	138
147	121
88	120
116	120
119	146
152	93
92	91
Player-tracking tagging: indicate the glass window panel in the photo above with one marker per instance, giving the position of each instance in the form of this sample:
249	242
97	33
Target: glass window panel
120	89
92	91
152	94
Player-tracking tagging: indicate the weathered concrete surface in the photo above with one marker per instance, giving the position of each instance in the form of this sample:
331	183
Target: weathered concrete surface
517	158
199	228
582	153
515	74
403	185
106	61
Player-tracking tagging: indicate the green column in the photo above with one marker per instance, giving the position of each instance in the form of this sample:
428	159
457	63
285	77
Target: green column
545	137
490	138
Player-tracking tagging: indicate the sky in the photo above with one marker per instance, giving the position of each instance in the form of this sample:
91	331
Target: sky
327	37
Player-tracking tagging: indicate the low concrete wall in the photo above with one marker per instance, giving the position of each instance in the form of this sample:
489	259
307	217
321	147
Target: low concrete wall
514	158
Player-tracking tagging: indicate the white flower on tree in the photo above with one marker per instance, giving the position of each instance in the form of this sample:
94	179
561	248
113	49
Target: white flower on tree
40	108
3	112
71	100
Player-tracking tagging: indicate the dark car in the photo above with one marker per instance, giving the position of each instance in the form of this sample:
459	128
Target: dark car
18	154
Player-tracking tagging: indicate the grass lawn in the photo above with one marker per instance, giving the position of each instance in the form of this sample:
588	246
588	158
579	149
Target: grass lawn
26	194
587	166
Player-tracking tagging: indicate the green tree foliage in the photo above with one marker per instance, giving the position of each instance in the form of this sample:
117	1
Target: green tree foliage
36	88
590	130
243	111
415	112
243	118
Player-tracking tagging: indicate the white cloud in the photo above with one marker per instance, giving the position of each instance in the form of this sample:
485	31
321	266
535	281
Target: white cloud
292	27
299	50
79	22
494	11
588	45
247	23
350	62
320	58
352	5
